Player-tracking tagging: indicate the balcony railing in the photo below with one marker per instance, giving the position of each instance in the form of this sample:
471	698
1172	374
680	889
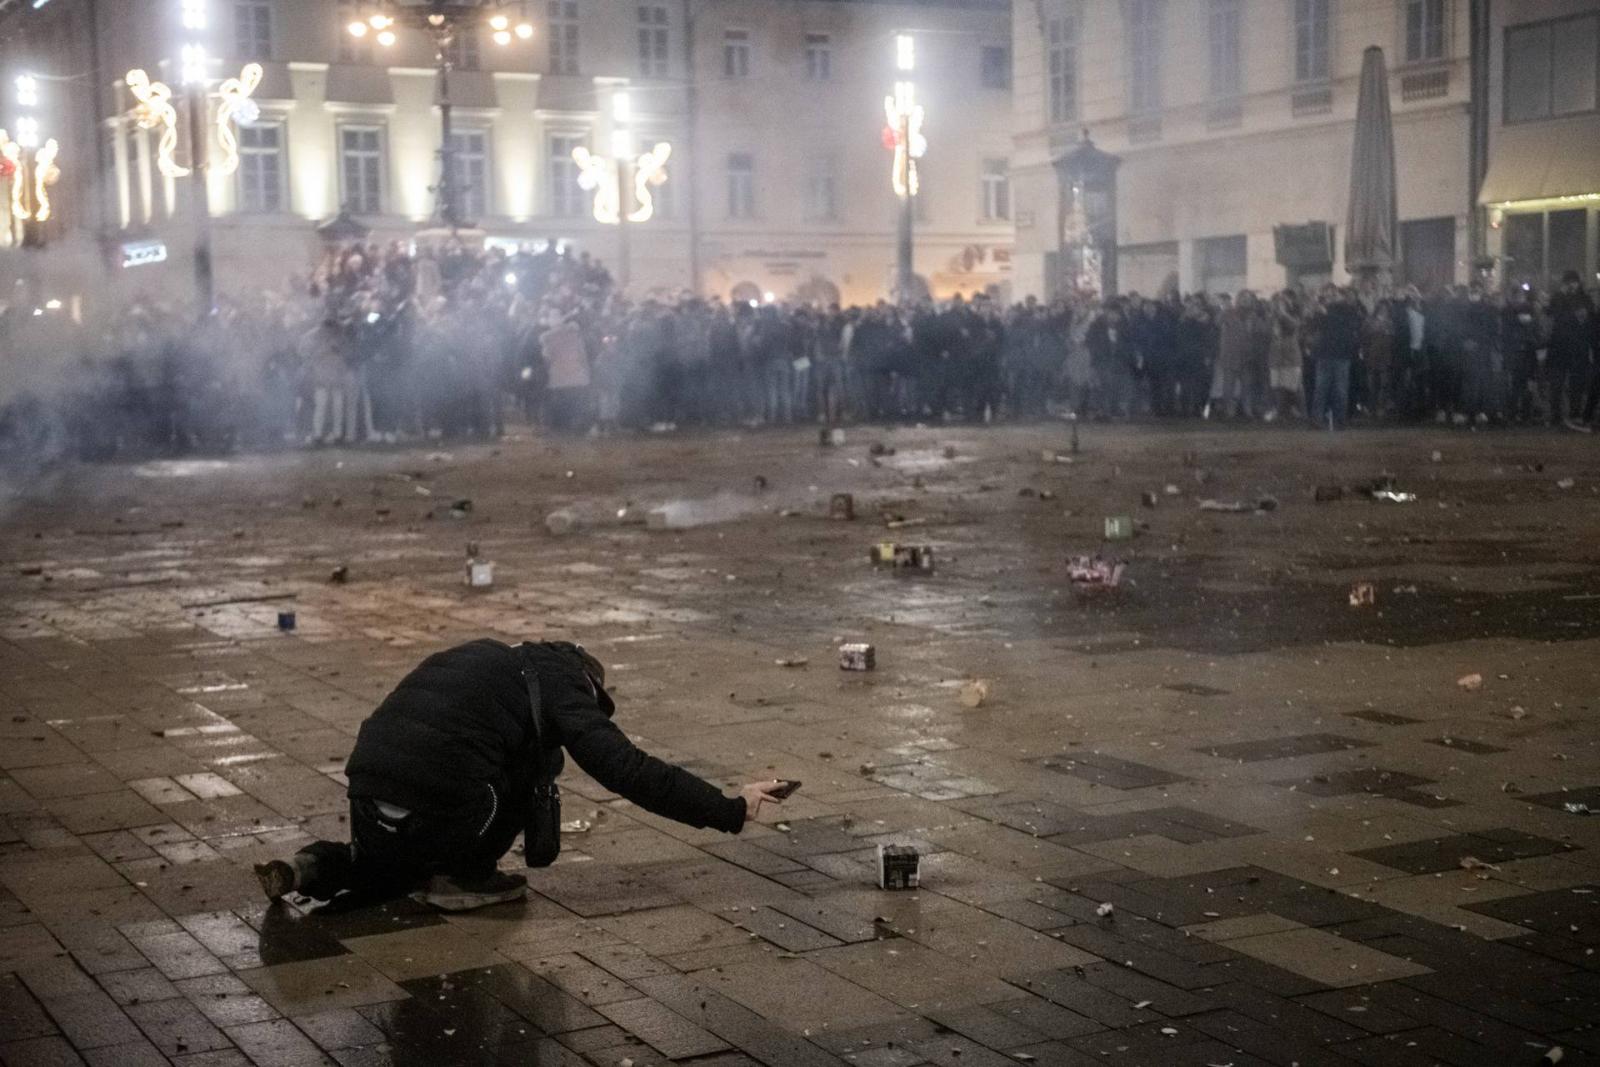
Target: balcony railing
1426	84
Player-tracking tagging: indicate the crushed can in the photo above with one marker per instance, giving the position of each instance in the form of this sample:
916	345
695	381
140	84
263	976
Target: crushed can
898	867
914	558
883	553
286	621
480	574
1363	595
857	656
1119	528
842	506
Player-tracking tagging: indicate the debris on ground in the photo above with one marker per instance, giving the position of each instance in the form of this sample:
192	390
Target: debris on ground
1363	595
560	522
1171	489
842	506
830	437
464	506
792	661
857	656
339	575
1471	683
1055	457
1566	483
286	621
576	826
975	694
901	523
1239	507
867	770
878	448
1390	496
903	557
1553	1054
480	574
1148	499
1104	911
1095	572
1577	808
1118	528
898	867
1473	863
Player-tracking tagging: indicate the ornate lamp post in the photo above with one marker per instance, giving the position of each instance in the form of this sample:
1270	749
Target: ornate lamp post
444	21
903	136
28	164
222	107
611	177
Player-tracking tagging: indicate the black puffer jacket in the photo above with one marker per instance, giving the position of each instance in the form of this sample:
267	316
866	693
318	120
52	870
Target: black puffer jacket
461	719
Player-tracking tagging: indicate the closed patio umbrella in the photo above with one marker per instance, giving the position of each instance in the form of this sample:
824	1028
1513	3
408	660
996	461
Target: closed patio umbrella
1371	228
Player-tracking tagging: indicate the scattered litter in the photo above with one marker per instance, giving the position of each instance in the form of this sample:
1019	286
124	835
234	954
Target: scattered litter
1023	1057
461	509
1393	497
830	437
878	448
857	656
286	621
1566	483
1407	590
1471	683
1119	528
903	557
480	574
422	490
1103	911
1170	1031
1143	1004
842	506
339	575
1363	595
867	770
1148	499
1171	490
1438	456
796	661
1239	507
781	827
903	523
1553	1054
1577	808
1095	572
1473	863
576	826
899	867
560	522
975	694
1055	457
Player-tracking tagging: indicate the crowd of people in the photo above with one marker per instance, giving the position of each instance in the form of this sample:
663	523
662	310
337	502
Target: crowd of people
384	344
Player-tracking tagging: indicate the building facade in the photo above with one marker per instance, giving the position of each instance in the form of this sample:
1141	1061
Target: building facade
1232	119
1542	186
778	181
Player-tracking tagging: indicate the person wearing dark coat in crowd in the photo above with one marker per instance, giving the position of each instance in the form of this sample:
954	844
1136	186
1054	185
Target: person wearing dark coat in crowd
444	772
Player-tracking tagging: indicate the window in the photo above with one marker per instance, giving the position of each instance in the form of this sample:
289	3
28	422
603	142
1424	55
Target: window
1312	40
252	29
361	164
351	49
563	36
741	185
822	189
736	54
996	190
1062	33
462	50
1144	56
1224	29
1550	68
472	171
261	168
819	57
1424	30
653	40
994	66
566	195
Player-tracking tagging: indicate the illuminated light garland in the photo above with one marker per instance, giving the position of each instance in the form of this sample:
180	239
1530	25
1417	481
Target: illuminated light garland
45	173
650	170
11	152
234	103
903	114
155	109
599	175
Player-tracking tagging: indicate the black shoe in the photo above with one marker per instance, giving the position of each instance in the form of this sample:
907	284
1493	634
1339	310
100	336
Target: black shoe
464	894
277	879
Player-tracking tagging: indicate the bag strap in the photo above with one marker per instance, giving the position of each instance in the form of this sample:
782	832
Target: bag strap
530	678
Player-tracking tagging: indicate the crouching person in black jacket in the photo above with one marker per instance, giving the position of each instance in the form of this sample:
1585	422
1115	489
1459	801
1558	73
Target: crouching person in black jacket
463	756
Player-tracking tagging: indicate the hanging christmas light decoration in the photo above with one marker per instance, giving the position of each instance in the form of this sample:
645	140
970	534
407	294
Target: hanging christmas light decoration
648	172
234	105
45	173
598	175
155	109
903	136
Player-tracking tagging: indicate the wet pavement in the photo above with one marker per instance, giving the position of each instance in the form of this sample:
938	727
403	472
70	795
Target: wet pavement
1216	815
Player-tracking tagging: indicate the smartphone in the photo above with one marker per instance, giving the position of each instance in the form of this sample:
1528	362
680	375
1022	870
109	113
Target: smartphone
784	790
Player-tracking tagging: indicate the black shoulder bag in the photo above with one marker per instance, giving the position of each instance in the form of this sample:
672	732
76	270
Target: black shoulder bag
541	833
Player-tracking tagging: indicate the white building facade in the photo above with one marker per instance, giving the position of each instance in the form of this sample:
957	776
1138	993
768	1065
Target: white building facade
1233	118
779	182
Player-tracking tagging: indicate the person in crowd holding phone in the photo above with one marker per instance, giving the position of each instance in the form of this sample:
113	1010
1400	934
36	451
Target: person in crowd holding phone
463	756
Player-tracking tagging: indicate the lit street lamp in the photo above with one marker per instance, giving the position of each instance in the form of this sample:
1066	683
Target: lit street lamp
443	21
903	136
225	108
610	178
28	163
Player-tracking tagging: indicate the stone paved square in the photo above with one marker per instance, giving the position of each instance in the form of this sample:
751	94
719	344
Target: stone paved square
1219	816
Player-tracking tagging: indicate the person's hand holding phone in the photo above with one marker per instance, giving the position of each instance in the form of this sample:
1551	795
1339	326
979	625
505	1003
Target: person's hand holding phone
769	792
